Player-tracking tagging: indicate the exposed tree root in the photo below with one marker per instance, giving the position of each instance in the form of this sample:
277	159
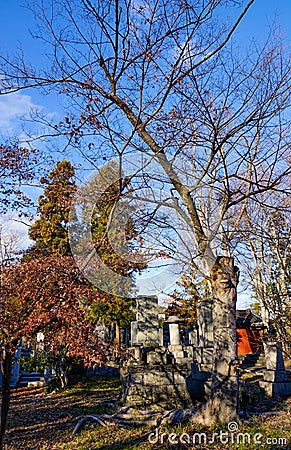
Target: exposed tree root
129	417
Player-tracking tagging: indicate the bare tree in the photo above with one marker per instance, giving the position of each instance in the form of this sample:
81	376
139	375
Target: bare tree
11	243
267	257
166	82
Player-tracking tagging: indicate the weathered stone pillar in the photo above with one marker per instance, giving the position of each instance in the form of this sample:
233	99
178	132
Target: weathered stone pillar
133	333
137	351
174	334
175	347
276	381
204	351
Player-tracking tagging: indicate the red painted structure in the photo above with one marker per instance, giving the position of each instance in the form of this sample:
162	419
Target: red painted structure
249	329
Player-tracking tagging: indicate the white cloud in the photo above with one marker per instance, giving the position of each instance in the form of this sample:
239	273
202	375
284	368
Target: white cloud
12	108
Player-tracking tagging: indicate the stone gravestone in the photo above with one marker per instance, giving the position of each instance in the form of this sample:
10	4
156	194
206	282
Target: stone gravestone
155	378
146	329
276	381
202	341
16	368
204	351
175	347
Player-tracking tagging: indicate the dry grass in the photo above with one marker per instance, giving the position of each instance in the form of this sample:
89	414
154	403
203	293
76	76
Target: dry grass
40	421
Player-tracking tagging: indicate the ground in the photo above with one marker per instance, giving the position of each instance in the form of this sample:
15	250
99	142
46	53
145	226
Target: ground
40	421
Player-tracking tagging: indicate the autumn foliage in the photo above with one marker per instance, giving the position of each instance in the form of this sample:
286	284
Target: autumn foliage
17	166
184	302
49	295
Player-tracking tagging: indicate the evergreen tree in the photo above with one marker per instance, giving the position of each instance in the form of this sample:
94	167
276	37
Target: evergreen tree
106	189
50	231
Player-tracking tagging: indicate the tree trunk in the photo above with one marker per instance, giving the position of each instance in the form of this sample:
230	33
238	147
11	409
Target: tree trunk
6	391
61	372
117	334
223	402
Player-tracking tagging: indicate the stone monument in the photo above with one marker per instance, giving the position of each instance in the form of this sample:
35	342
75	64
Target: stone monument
155	377
204	350
202	342
276	381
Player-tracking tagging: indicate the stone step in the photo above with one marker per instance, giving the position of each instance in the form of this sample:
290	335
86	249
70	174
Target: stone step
252	360
38	383
29	379
30	374
33	379
252	356
262	364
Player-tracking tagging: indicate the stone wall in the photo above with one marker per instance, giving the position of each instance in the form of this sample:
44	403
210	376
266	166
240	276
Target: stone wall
156	388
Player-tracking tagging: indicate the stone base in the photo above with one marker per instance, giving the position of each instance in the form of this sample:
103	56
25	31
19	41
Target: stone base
155	388
276	376
156	357
200	385
276	389
204	358
177	351
39	383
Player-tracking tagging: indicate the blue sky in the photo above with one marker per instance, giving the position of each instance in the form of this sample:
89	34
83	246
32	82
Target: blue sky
263	11
16	21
